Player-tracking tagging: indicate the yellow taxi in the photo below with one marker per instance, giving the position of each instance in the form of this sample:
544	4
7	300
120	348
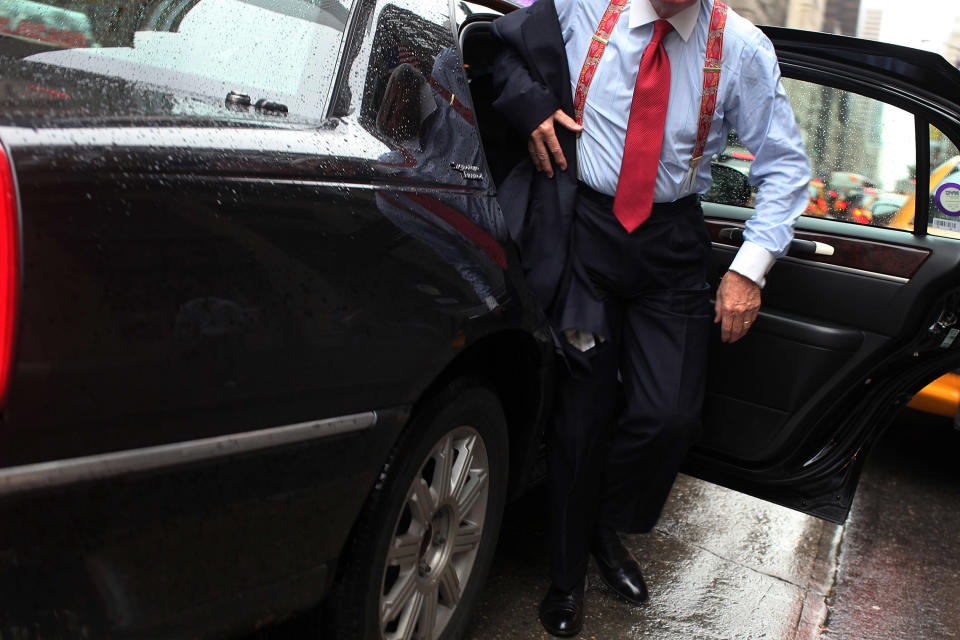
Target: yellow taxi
903	218
942	396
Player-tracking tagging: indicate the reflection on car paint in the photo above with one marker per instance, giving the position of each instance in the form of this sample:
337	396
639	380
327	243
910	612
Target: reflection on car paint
425	119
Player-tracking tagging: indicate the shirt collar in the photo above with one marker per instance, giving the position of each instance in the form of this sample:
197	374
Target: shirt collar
642	12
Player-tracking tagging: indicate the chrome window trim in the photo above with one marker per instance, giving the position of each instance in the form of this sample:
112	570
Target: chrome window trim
58	473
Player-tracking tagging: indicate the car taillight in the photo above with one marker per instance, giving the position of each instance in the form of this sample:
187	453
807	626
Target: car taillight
9	271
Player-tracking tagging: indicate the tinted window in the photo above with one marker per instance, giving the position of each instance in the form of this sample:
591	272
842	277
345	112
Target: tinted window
862	156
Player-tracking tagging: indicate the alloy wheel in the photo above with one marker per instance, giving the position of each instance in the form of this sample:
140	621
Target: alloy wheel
436	538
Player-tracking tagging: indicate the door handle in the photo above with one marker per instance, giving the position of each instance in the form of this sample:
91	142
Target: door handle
801	247
811	247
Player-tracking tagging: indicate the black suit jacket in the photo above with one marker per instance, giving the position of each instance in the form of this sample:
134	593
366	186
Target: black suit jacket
532	80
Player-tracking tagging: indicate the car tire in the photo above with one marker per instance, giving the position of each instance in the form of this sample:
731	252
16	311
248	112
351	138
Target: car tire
422	547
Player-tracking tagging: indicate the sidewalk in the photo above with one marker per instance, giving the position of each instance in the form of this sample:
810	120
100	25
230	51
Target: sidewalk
724	566
719	565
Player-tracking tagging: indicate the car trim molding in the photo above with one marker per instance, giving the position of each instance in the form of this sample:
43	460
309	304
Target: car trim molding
57	473
826	265
851	270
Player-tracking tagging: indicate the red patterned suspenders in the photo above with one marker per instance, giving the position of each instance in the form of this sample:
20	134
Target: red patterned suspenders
711	75
598	45
711	80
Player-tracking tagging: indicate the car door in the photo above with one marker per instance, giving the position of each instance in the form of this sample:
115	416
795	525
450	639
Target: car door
239	219
843	340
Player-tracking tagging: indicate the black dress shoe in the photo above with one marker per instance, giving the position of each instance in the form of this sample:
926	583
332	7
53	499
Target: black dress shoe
617	566
561	612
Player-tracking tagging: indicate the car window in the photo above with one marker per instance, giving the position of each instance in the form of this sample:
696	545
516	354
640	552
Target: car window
944	186
862	157
278	53
404	86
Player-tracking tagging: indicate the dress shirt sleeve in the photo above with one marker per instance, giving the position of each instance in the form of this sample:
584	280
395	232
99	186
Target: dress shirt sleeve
564	13
765	122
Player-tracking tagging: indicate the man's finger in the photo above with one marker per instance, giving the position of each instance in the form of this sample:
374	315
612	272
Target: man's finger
542	160
718	309
554	145
532	152
726	328
567	121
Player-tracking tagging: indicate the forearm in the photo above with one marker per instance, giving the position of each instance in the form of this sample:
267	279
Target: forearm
780	168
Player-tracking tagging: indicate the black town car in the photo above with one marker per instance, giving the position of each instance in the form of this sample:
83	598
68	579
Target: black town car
264	342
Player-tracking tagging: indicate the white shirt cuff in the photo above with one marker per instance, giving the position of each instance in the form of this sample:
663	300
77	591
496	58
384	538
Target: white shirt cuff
753	261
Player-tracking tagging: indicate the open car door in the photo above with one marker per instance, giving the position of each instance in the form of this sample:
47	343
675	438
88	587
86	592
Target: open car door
844	340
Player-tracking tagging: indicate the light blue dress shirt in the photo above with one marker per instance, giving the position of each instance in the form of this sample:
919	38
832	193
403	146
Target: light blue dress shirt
750	99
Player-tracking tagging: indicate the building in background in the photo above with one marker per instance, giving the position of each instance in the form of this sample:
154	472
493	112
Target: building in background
752	10
775	11
870	23
951	49
841	17
806	14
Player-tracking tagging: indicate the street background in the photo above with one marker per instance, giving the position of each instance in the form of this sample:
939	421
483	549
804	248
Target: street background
722	565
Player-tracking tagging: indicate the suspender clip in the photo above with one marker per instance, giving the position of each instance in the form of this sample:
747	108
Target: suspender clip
600	39
687	185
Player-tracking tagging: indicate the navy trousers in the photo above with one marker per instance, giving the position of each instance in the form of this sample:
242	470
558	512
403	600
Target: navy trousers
615	448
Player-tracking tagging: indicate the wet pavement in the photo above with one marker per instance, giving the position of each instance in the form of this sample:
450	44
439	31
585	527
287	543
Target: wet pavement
899	568
721	565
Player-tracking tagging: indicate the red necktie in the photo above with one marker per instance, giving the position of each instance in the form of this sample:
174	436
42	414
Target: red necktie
641	153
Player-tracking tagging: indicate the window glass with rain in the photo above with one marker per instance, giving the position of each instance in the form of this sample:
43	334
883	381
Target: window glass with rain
862	158
243	59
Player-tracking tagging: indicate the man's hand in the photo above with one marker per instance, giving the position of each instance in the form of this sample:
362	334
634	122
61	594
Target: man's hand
738	301
543	143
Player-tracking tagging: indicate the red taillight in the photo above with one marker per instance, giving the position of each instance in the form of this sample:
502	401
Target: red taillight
842	205
9	270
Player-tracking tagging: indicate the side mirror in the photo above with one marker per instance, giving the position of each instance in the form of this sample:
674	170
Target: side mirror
730	186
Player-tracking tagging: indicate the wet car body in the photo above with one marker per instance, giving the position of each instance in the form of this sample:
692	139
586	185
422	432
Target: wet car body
234	309
227	318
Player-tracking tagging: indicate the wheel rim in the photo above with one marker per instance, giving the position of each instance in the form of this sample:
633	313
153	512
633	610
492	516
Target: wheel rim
436	538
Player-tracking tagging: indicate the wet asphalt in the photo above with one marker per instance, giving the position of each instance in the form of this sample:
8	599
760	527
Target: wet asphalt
722	565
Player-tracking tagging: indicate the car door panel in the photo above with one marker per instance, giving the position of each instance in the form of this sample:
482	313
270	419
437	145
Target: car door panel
843	340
